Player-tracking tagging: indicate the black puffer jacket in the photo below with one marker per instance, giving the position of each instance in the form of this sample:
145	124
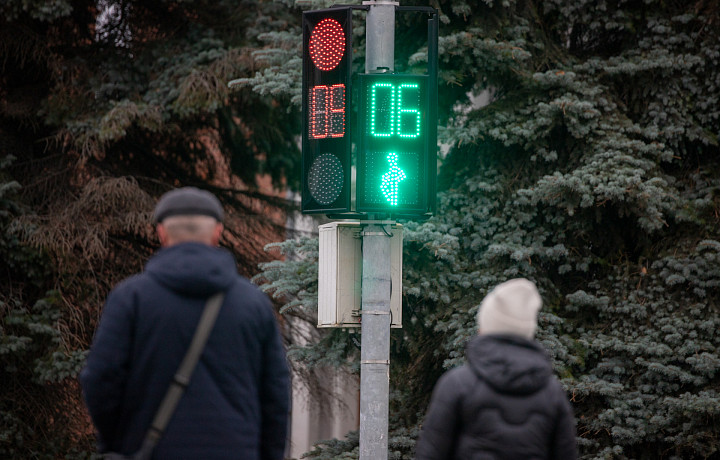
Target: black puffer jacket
237	402
504	403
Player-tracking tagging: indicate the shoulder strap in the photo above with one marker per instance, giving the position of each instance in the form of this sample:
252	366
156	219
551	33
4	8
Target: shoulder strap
183	374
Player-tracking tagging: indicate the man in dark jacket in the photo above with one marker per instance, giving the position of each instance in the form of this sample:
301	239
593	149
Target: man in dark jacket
505	402
236	404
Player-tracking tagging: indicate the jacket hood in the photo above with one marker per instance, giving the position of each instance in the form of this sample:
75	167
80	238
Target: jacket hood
193	269
511	365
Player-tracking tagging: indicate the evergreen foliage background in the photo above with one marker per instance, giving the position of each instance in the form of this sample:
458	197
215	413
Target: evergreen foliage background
594	171
105	105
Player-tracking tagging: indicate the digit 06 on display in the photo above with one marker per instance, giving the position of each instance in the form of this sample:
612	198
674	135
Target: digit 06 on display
326	137
394	160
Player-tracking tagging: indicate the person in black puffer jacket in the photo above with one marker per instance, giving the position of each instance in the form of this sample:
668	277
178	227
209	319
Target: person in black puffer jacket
504	403
236	403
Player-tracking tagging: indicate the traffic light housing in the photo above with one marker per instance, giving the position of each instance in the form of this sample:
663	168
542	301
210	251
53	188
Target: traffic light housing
326	93
396	145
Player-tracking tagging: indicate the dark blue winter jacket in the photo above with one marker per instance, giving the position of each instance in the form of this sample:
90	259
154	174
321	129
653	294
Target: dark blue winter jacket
236	404
504	404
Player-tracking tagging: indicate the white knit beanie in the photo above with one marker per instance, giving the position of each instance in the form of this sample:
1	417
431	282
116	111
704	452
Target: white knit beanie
511	308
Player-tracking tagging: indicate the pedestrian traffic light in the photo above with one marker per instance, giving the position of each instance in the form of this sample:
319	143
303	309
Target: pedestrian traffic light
326	92
395	160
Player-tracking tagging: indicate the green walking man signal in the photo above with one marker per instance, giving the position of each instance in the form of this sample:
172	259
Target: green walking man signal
394	151
390	183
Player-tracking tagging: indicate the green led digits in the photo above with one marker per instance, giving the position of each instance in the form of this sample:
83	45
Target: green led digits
393	151
385	103
403	112
391	180
388	115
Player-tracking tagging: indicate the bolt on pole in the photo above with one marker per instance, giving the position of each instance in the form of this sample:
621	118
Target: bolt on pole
376	276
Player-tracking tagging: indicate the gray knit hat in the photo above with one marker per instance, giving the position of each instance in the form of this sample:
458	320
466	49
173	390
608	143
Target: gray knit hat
511	308
188	201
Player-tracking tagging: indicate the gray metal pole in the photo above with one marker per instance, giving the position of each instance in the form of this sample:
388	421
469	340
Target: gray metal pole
376	278
380	36
375	345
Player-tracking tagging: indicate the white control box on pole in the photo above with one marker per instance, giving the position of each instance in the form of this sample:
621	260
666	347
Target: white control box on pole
340	273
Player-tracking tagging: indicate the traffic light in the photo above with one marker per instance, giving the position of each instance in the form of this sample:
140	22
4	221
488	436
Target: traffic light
326	135
396	161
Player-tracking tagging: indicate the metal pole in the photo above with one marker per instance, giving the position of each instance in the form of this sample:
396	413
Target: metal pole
376	279
375	345
380	36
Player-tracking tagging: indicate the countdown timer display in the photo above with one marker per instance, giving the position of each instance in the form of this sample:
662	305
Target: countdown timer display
326	111
393	147
326	142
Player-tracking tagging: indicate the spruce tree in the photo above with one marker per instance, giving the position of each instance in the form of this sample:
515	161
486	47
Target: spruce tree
105	105
593	171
